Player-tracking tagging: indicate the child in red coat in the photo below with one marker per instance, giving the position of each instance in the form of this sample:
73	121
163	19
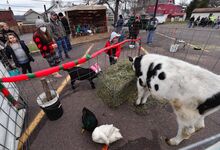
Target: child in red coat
113	53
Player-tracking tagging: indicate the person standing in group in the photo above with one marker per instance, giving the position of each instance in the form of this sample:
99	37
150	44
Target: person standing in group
19	52
129	23
151	27
67	30
58	34
4	31
191	22
3	39
135	28
113	53
45	43
119	24
218	22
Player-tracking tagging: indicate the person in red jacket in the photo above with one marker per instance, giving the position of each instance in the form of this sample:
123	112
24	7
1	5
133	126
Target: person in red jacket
46	45
113	53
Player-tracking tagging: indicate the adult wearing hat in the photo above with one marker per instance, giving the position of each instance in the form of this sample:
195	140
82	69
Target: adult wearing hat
135	28
46	44
151	27
67	29
58	34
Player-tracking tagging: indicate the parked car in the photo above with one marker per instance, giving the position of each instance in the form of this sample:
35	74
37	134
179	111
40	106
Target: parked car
162	18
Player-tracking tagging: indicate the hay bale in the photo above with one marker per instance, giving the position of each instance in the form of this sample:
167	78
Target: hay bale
115	83
118	85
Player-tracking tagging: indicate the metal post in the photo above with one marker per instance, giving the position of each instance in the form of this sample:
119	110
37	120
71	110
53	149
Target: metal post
139	49
155	9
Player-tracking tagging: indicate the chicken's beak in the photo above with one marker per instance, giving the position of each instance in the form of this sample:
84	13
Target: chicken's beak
105	147
82	131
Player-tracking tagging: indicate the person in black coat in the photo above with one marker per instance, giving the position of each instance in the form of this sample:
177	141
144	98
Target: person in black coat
19	52
67	29
135	29
4	31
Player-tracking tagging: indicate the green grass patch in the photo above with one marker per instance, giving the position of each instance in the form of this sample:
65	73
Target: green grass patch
32	47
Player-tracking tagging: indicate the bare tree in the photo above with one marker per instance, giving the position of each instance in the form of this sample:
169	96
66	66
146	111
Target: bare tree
88	2
69	4
58	3
214	3
183	3
113	6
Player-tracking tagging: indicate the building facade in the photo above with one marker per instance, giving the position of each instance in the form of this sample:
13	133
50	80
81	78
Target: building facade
167	8
31	16
204	12
7	16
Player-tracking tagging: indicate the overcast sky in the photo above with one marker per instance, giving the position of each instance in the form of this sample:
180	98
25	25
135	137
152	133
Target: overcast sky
19	7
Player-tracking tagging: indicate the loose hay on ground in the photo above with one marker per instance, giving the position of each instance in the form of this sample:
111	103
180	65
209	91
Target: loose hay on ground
118	85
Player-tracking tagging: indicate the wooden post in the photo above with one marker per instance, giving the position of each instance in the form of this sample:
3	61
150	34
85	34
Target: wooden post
46	89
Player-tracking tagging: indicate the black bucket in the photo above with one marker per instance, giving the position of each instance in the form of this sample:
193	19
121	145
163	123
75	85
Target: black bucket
54	111
53	108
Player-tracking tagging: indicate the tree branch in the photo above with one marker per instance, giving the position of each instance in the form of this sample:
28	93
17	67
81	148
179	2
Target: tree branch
110	7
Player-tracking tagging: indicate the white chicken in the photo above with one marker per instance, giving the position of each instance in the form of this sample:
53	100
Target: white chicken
106	134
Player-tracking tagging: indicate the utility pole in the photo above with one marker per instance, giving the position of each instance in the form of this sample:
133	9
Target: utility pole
58	5
125	5
9	7
155	9
45	10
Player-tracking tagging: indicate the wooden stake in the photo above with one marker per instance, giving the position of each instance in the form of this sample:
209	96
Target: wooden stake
46	89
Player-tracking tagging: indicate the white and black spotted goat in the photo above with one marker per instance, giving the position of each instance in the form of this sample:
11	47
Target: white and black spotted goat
193	92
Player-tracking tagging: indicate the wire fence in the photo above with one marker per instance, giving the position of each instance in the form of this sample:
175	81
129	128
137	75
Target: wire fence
197	46
12	121
28	91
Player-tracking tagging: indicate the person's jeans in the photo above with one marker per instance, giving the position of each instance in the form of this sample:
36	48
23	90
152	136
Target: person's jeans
26	67
68	43
61	44
150	36
190	24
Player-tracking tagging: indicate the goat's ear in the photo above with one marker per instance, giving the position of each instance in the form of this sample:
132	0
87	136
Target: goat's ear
130	58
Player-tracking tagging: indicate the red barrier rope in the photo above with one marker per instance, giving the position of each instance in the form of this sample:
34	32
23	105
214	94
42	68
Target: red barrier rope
67	65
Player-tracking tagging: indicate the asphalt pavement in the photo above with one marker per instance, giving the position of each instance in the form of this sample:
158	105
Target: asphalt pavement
140	132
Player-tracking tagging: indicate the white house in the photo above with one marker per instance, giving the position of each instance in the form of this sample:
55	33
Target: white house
31	16
204	12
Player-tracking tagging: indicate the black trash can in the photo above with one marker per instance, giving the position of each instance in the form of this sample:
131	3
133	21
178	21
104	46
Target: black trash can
53	108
